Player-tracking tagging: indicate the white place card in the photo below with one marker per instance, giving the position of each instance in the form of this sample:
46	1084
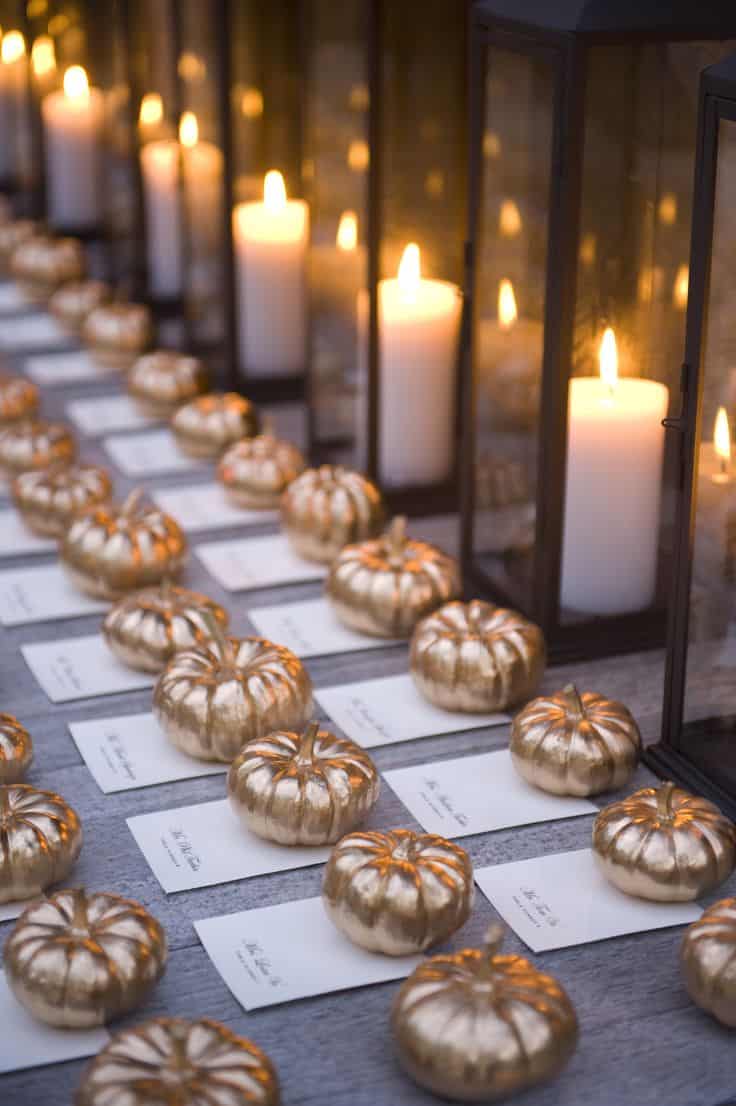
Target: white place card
17	540
129	752
152	453
63	368
80	668
477	794
553	902
196	846
242	564
204	507
12	300
389	710
311	629
9	911
42	594
279	953
106	414
28	1043
33	331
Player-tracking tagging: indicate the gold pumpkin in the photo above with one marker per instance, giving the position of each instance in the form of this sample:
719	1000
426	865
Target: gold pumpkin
18	399
173	1062
206	426
398	892
12	234
48	499
161	381
40	840
211	700
118	333
16	750
256	471
384	586
327	508
664	844
708	961
573	744
42	264
35	444
145	629
109	550
513	1026
71	304
476	658
307	789
75	960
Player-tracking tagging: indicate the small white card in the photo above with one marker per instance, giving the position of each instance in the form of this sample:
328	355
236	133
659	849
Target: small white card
12	300
34	331
80	668
553	902
242	564
129	752
311	629
62	368
27	1043
477	794
17	540
196	846
9	911
389	710
106	414
279	953
152	453
204	507
42	594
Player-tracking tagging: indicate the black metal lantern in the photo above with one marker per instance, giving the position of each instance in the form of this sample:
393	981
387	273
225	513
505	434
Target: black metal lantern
19	166
583	120
699	720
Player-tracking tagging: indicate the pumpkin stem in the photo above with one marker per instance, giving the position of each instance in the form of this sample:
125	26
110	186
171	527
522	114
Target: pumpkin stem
493	939
79	912
267	427
166	589
219	637
397	537
131	502
306	744
576	703
664	801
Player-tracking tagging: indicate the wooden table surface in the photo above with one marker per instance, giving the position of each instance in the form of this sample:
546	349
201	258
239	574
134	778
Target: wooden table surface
642	1042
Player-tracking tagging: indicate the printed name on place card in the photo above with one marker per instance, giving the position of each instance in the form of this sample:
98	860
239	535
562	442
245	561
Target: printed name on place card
80	668
204	507
242	564
311	629
42	594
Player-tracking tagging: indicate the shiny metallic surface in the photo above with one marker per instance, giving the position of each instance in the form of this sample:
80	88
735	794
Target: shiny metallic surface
71	304
478	1026
117	333
256	471
40	840
302	789
327	508
16	749
159	382
145	629
49	498
41	264
112	549
206	426
384	586
397	892
77	960
35	444
663	844
174	1062
18	399
708	961
475	657
12	234
572	743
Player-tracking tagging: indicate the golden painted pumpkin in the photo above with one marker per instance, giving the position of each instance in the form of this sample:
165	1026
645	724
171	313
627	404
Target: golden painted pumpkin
18	399
573	744
48	499
476	658
662	843
16	750
40	839
211	700
145	629
479	1026
256	471
384	586
35	444
12	234
77	960
161	381
397	892
71	304
109	550
173	1062
41	264
708	961
207	425
327	508
302	789
117	333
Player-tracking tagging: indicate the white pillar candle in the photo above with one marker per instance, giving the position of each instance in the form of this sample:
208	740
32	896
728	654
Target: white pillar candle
270	241
13	83
509	356
73	121
418	326
202	163
162	205
615	447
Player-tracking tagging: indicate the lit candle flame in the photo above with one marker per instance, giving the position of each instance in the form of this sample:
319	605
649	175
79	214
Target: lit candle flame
13	47
188	129
680	290
507	311
347	231
274	191
359	155
608	358
410	270
151	110
76	85
43	56
668	209
722	435
251	103
509	219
